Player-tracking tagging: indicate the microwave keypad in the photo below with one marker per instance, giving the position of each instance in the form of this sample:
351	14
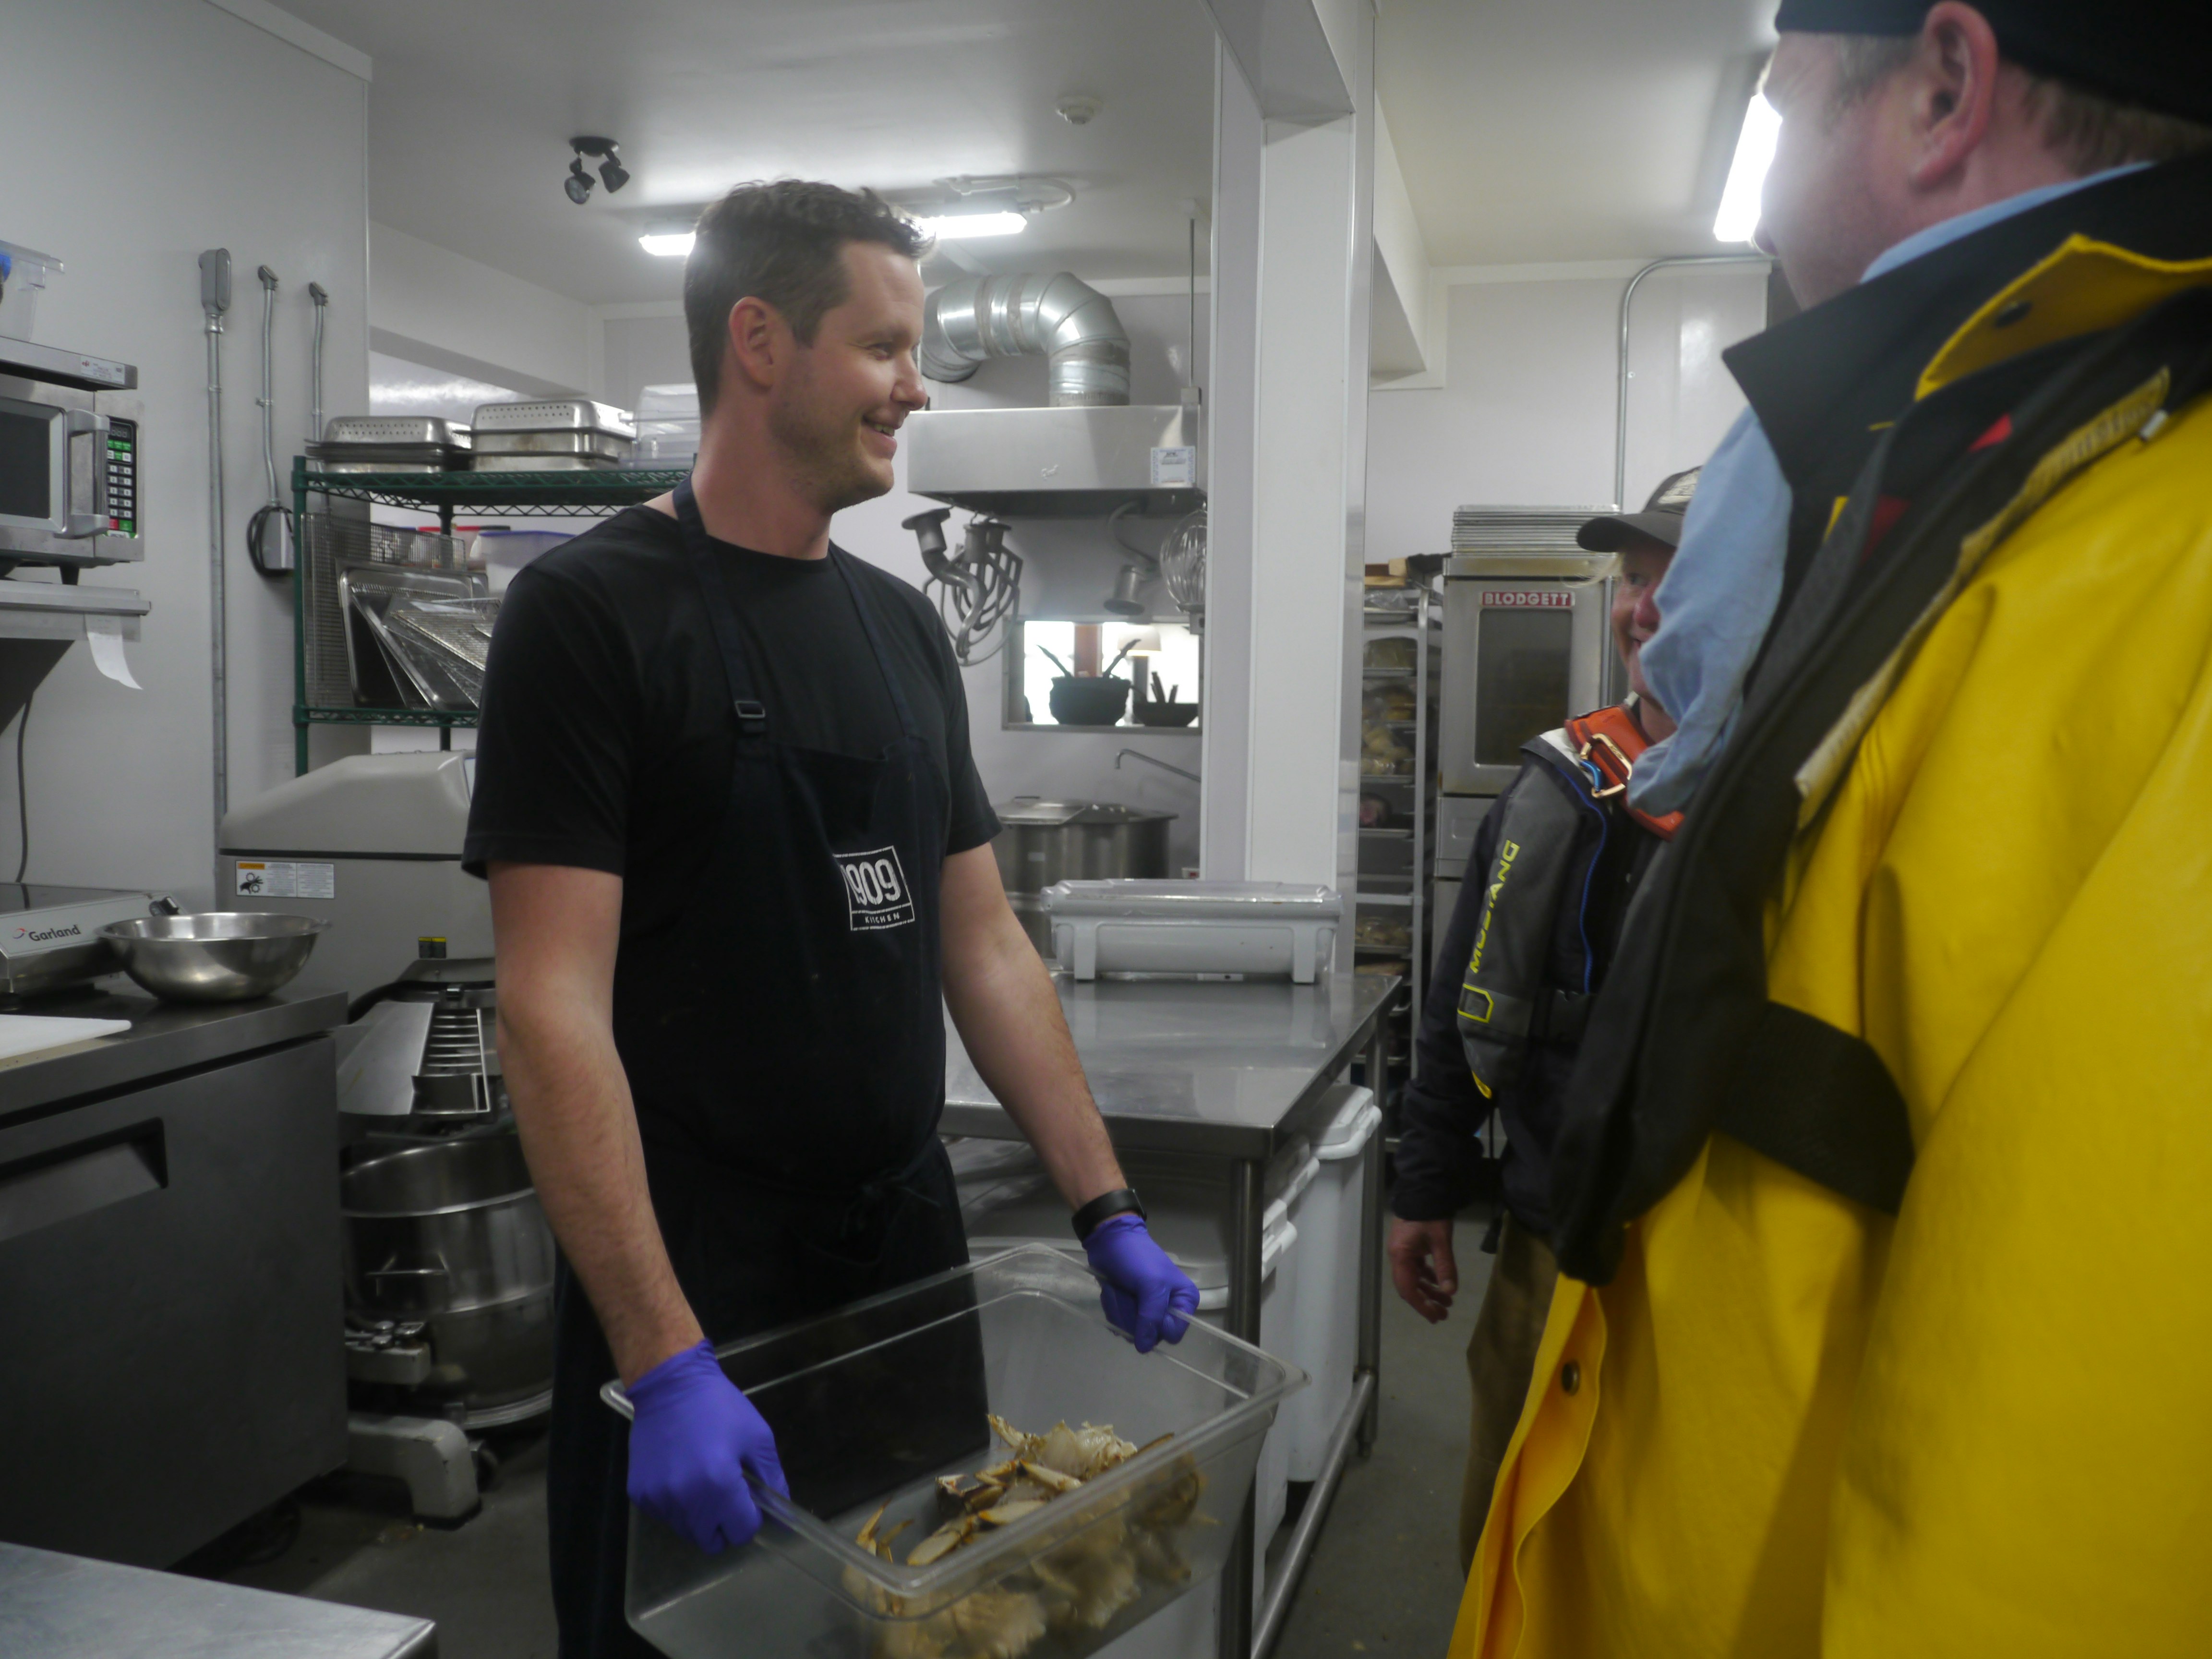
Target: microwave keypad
123	476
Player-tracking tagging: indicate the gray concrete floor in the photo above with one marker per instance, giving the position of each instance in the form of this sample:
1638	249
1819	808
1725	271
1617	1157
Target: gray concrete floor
485	1582
1384	1577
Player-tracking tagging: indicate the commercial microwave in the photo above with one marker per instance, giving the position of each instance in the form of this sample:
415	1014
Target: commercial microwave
68	457
1526	646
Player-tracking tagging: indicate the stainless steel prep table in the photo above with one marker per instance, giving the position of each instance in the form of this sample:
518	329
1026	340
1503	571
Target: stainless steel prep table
64	1606
169	1237
1223	1072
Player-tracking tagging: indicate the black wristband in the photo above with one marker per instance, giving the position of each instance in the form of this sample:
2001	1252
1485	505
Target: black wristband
1122	1201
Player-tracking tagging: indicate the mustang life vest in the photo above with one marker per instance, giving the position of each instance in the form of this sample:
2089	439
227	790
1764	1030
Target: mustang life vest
1543	861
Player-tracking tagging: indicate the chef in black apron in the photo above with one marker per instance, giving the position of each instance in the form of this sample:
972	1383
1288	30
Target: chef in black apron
766	1149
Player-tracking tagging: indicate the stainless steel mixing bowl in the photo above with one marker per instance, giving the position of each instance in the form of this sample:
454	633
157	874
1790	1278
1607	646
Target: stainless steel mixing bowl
214	956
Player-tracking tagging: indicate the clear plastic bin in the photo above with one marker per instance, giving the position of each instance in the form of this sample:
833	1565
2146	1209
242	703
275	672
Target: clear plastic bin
1008	1202
667	426
870	1403
1250	927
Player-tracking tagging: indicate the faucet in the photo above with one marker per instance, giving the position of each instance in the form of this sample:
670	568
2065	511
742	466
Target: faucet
1135	754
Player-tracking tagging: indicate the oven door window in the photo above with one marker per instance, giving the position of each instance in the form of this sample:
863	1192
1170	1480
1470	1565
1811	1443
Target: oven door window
1522	670
28	464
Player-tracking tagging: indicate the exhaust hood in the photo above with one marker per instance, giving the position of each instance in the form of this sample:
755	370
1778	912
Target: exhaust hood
1089	451
1077	462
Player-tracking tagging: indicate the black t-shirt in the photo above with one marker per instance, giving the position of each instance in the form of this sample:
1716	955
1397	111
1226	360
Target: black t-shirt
607	740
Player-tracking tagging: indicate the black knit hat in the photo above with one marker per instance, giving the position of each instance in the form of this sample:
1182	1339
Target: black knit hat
2151	52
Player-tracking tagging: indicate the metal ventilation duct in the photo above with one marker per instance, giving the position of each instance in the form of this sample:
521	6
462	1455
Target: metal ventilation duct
1053	315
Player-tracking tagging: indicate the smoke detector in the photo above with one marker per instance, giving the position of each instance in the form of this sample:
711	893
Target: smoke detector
1078	109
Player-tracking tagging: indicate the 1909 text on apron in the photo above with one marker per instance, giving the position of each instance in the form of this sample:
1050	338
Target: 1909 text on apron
876	893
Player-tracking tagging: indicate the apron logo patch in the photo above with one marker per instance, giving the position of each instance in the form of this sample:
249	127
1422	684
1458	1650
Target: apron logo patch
876	893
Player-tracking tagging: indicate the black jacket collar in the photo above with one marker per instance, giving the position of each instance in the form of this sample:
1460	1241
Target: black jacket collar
1826	380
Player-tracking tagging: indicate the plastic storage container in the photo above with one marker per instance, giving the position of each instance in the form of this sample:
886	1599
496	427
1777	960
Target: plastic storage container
1331	1221
1187	1216
505	551
24	275
872	1403
1255	927
667	426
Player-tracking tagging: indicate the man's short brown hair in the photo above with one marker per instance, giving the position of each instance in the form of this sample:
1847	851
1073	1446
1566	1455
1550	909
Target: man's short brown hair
2088	131
782	243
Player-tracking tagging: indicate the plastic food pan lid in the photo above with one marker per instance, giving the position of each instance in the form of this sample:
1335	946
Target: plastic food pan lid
1145	900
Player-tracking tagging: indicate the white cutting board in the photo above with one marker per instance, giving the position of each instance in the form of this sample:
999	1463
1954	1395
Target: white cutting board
29	1034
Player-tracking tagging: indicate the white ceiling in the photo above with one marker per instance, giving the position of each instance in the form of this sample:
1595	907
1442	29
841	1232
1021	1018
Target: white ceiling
1566	130
473	105
1527	129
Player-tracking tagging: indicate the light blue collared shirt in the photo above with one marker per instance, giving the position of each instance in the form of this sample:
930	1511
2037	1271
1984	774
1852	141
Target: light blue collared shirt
1720	593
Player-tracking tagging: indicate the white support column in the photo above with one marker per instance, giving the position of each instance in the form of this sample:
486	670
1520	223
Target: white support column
1292	268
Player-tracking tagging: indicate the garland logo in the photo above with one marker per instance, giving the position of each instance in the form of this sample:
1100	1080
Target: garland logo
43	935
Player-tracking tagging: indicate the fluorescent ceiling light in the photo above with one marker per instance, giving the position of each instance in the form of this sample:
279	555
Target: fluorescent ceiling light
1738	219
667	244
952	226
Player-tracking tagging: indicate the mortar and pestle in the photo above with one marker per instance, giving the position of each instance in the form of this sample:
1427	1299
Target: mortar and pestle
1163	709
1087	699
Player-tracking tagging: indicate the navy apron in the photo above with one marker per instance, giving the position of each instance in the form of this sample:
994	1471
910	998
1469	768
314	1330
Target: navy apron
784	1041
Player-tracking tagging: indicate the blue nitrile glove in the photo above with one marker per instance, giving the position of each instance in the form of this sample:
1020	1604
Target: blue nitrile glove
694	1440
1145	1293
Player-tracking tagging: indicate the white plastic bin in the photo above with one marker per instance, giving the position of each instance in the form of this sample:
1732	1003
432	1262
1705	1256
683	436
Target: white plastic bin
1254	927
26	273
505	551
1332	1222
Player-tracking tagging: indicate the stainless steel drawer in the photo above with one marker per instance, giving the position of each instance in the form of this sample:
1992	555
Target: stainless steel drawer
174	1308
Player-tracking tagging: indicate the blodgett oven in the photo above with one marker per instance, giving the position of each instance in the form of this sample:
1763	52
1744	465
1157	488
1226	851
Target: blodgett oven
1525	647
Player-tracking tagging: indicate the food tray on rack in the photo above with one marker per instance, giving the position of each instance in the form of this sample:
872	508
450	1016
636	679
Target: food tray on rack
873	1403
554	414
484	463
332	544
605	445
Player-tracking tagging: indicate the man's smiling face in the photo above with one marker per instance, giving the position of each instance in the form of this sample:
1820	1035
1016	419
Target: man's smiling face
837	414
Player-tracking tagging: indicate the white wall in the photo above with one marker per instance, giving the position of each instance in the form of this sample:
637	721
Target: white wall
1069	567
147	130
1527	412
434	306
641	345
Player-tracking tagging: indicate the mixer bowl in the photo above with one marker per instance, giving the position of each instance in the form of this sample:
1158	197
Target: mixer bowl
213	956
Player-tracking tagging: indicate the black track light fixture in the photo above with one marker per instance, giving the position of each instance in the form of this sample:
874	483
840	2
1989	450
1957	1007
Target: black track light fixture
612	172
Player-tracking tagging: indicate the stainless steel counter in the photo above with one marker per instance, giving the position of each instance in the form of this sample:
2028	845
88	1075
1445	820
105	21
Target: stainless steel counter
64	1606
1179	1066
163	1037
1220	1073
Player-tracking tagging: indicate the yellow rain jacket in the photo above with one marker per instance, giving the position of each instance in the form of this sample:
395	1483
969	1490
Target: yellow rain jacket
1792	1427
